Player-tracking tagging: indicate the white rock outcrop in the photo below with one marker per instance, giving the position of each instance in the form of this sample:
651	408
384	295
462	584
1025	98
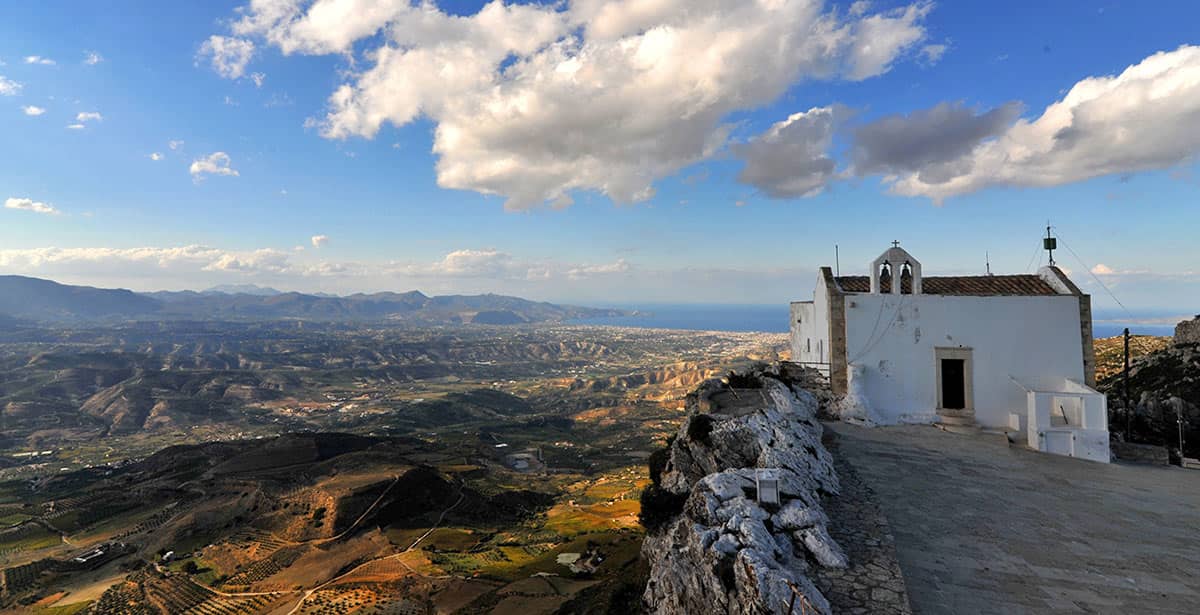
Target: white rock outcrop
724	552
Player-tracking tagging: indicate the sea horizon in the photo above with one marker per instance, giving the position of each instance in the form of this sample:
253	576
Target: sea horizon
773	318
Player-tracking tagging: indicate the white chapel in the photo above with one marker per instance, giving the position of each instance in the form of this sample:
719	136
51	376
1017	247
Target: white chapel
1008	353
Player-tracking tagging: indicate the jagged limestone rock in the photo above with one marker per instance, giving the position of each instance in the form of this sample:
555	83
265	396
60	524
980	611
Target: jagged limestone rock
1188	332
796	516
726	553
823	547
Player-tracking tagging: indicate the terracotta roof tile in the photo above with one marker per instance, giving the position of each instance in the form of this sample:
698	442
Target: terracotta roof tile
973	285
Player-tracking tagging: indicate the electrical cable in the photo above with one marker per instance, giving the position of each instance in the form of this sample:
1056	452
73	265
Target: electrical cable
1094	276
875	327
1037	250
871	345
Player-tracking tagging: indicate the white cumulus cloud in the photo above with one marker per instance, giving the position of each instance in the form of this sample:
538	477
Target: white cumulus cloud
265	260
216	163
39	60
148	260
792	158
535	102
320	241
8	87
156	156
931	54
881	38
76	126
32	110
492	264
930	142
88	116
228	55
30	205
587	271
91	58
467	263
1144	118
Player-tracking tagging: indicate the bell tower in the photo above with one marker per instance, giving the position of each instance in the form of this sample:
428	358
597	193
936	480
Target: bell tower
893	269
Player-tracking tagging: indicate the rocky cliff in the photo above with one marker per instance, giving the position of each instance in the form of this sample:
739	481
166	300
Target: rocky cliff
1188	332
713	547
1164	386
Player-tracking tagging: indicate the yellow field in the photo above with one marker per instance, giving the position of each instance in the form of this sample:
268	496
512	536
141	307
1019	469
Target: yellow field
1110	352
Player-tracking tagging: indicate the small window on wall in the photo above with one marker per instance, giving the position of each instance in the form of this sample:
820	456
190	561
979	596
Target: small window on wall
808	344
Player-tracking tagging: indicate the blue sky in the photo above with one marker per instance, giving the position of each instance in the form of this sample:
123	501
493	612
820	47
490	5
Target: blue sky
720	162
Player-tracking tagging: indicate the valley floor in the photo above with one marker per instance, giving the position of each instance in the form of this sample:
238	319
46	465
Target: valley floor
981	527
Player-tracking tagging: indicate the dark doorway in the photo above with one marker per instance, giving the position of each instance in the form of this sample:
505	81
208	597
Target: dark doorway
954	384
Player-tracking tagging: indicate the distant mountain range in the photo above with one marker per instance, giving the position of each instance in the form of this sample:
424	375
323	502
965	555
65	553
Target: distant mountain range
243	289
35	299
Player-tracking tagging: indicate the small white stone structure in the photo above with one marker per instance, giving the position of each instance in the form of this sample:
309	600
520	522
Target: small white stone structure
1071	421
766	484
1003	352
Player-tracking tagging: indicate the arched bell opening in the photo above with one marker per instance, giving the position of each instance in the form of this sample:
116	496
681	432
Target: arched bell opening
896	272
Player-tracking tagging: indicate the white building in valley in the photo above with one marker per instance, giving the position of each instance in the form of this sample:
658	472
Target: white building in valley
1003	352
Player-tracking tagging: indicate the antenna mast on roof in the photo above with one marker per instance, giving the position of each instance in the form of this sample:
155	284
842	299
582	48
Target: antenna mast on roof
987	260
837	262
1049	243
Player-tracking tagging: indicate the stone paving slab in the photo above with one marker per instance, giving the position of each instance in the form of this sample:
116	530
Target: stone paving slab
984	527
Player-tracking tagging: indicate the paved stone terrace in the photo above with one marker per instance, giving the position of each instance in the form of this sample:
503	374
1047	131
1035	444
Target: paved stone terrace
982	527
873	583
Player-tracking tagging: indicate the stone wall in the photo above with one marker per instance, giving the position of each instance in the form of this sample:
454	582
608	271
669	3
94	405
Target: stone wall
1141	453
818	550
838	362
1188	332
1089	345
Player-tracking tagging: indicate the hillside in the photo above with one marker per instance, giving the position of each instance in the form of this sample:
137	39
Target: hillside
45	300
1110	352
48	301
334	467
1164	385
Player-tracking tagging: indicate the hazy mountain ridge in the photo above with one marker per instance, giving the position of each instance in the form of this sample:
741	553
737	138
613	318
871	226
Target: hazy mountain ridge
38	299
243	289
44	300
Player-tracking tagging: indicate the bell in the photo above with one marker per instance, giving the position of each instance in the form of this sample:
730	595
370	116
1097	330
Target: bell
906	278
885	278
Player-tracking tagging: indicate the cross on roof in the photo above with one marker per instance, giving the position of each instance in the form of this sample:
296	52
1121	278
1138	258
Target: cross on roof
895	244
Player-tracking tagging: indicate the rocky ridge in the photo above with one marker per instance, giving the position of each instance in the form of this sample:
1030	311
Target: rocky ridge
1188	331
718	549
1164	386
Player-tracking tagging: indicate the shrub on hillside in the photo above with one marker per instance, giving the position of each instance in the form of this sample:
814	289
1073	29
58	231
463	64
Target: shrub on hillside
657	462
743	381
699	427
659	507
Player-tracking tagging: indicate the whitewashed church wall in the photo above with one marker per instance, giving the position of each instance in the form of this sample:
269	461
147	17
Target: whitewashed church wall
894	337
810	328
801	331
